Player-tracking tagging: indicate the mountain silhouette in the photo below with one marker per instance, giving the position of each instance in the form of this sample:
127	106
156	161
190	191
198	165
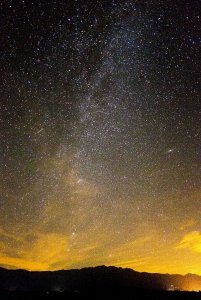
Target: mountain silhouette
97	281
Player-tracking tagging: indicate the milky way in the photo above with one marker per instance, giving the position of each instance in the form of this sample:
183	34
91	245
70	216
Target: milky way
100	135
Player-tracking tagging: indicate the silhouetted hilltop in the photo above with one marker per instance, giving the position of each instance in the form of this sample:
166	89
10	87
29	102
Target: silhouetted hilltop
94	278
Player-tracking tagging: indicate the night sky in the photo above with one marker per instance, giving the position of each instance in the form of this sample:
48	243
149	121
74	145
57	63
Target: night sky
100	123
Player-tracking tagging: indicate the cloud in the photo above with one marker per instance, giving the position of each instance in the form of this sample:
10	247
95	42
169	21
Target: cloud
191	241
37	252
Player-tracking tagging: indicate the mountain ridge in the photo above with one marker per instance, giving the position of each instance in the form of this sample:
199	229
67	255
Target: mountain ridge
101	266
94	277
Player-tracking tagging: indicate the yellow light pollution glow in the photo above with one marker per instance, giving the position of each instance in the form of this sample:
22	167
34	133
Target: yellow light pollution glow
36	251
149	248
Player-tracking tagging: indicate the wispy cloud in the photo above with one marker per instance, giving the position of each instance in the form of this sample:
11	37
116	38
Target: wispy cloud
192	241
35	252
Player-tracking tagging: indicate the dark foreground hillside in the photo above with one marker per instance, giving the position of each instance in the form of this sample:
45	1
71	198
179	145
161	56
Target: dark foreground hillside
97	283
116	293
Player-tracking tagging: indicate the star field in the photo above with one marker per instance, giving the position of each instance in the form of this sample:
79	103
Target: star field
100	135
